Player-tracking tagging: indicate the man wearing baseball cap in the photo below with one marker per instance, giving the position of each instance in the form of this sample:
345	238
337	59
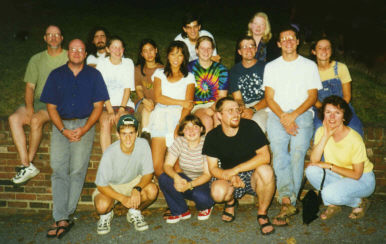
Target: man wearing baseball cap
125	175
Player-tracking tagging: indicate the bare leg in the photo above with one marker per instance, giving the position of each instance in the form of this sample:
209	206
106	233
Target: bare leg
16	122
148	195
35	136
222	191
158	150
263	182
105	131
206	120
145	117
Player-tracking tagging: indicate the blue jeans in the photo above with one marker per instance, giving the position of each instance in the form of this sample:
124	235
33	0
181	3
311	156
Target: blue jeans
176	200
338	190
289	165
69	163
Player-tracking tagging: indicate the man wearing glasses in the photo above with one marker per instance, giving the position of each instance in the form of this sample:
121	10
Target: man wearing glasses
246	83
291	85
241	149
125	175
74	94
33	112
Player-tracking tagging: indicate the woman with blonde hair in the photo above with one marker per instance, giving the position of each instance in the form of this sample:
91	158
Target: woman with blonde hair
260	29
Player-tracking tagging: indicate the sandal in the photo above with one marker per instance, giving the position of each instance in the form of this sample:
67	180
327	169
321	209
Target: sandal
167	214
265	217
364	205
287	210
65	229
330	212
48	235
235	204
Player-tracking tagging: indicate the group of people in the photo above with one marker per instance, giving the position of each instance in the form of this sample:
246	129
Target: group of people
196	126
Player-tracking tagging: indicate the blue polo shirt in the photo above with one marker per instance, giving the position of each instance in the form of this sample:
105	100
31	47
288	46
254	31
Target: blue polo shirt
74	96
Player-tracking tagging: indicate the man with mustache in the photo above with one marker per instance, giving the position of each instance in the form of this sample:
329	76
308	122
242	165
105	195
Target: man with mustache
242	150
96	45
33	112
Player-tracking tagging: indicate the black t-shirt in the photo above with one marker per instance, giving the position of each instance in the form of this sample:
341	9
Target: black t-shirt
232	151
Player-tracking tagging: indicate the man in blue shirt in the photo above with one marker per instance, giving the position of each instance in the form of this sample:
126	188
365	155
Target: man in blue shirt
74	94
246	83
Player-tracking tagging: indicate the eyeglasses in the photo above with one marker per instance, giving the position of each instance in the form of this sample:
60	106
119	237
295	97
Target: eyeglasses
287	38
74	50
232	110
56	35
250	46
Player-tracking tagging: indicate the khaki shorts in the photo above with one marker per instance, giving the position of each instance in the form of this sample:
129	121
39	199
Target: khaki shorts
204	105
124	189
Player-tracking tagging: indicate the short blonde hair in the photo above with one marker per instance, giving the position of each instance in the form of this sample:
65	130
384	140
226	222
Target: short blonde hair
267	34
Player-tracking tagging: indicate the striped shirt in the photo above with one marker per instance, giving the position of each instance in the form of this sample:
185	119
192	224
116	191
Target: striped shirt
191	160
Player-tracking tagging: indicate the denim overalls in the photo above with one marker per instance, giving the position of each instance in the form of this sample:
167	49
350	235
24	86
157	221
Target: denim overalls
334	87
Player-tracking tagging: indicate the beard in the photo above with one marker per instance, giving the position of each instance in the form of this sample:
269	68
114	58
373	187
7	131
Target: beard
100	45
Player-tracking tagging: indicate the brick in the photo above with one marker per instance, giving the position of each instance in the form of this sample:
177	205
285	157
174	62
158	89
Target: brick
8	155
86	198
39	205
14	189
6	182
89	185
17	204
3	204
42	197
21	196
35	189
7	196
381	182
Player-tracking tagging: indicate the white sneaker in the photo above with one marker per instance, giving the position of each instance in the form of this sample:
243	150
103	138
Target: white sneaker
204	214
104	223
25	173
134	216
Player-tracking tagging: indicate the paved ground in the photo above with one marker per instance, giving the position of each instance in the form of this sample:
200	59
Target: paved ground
340	229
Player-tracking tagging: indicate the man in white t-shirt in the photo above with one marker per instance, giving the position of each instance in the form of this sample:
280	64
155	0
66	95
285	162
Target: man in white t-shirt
191	31
125	175
291	83
96	45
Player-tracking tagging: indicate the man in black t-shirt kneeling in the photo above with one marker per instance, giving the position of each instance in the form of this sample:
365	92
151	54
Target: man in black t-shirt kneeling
242	149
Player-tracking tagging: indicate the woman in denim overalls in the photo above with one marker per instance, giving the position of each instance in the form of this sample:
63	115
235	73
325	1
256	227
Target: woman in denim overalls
339	85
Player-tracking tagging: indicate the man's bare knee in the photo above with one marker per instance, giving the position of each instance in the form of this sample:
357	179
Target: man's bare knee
219	191
102	203
151	191
264	173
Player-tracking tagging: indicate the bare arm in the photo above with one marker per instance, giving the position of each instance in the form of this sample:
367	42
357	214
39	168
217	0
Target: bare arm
261	104
93	118
216	58
139	91
29	96
269	97
188	97
346	89
159	98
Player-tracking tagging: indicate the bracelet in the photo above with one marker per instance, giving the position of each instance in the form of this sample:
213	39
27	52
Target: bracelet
138	188
331	165
61	131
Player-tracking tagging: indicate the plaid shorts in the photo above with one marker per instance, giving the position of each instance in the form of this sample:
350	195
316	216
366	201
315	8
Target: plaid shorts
240	192
246	178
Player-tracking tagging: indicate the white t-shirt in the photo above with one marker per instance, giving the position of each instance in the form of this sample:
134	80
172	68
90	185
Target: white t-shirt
291	81
91	59
176	90
117	78
191	47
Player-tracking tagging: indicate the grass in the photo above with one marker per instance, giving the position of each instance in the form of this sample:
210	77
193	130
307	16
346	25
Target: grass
134	21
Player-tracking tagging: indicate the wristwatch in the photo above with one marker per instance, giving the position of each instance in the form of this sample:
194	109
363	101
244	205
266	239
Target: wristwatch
138	188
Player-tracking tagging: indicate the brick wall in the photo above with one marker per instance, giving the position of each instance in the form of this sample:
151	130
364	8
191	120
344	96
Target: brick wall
36	195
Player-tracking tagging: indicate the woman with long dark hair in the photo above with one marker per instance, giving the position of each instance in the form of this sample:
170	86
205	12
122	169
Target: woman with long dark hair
148	61
173	92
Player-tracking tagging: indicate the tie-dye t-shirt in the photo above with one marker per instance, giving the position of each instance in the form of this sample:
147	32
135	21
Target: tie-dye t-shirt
208	81
249	81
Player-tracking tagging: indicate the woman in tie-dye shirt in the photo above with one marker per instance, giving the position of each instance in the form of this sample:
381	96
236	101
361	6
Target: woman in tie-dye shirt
211	82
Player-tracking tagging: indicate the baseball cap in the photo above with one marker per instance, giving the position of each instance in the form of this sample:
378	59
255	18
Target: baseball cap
127	119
